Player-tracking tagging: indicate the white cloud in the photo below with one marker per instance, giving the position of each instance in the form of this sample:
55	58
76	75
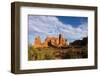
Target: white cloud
50	25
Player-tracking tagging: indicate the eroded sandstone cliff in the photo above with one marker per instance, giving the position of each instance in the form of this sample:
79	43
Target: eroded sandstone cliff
51	41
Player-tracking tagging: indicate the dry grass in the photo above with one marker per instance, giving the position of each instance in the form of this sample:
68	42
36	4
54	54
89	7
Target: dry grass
56	53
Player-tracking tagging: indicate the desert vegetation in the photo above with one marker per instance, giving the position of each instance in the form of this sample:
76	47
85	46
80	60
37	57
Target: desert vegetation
58	48
57	53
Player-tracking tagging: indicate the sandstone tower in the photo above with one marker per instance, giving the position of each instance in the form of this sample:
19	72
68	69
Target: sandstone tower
37	42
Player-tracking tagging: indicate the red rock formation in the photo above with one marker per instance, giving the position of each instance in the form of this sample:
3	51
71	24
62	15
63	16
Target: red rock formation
51	41
37	42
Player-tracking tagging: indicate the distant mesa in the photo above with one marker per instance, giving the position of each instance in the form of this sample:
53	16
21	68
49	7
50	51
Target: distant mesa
51	41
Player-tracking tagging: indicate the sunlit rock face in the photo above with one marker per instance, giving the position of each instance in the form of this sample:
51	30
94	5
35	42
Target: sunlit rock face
37	42
51	41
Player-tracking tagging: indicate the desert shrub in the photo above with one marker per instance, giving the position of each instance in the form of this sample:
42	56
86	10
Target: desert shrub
40	53
56	53
70	54
75	53
31	53
84	54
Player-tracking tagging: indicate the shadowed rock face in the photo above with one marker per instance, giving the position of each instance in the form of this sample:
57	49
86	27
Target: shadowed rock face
51	41
82	42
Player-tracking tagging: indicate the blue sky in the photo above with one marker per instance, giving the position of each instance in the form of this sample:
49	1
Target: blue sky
72	28
74	21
